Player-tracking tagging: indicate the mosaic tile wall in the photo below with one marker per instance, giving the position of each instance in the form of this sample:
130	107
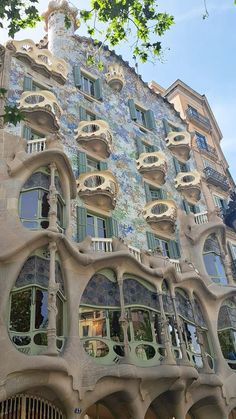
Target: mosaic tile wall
114	109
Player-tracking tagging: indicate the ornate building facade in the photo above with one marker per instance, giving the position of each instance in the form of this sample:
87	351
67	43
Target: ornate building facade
118	296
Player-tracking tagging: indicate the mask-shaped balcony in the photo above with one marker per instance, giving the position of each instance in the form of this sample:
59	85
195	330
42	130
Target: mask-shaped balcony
95	136
98	189
115	77
189	184
41	108
179	143
161	215
41	60
153	166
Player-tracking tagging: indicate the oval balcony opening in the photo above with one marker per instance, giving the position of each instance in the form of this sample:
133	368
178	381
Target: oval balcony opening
151	159
178	138
94	181
159	209
91	128
34	99
188	179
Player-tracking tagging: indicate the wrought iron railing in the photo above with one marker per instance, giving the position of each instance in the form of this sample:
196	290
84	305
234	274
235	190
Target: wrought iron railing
206	149
216	178
198	118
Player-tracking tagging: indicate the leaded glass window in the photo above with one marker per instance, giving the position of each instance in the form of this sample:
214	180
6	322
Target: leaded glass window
227	330
213	261
28	317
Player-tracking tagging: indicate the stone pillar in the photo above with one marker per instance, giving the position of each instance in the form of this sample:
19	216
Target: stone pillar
183	348
52	199
52	302
123	318
169	358
199	335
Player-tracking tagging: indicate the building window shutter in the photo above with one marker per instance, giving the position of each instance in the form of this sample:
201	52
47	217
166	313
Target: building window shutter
176	165
163	194
139	146
155	148
147	192
132	109
98	89
77	76
185	206
196	209
81	223
231	251
112	227
174	250
82	162
27	132
151	241
166	126
82	114
103	165
28	83
150	119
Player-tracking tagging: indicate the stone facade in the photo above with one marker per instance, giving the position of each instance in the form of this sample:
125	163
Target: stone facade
117	292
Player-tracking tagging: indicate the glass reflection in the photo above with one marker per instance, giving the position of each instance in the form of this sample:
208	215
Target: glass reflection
20	311
41	309
96	348
93	323
141	325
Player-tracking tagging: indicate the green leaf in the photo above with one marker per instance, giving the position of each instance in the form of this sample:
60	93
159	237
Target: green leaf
12	115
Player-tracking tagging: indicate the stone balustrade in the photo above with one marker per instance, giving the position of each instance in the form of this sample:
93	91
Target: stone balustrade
153	166
179	144
95	136
98	188
41	60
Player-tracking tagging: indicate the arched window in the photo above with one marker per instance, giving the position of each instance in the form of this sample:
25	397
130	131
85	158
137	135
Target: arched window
28	319
191	318
213	261
227	330
33	203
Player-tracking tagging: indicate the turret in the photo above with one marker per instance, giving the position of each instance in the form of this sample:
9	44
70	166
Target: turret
60	23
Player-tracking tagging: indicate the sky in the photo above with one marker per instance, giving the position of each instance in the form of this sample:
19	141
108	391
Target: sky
201	52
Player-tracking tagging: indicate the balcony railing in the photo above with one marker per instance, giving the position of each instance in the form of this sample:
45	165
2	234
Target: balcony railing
35	146
207	150
41	108
105	245
179	143
40	59
189	184
153	166
216	178
201	217
199	119
95	136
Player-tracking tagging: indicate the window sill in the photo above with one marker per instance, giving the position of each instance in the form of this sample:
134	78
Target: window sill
90	98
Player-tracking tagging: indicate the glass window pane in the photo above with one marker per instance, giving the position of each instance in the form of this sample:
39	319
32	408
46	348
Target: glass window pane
45	205
90	226
227	344
92	323
20	311
209	260
60	208
101	228
29	204
141	325
116	331
41	309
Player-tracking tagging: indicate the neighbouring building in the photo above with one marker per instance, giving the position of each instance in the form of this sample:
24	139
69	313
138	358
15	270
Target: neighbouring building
118	240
